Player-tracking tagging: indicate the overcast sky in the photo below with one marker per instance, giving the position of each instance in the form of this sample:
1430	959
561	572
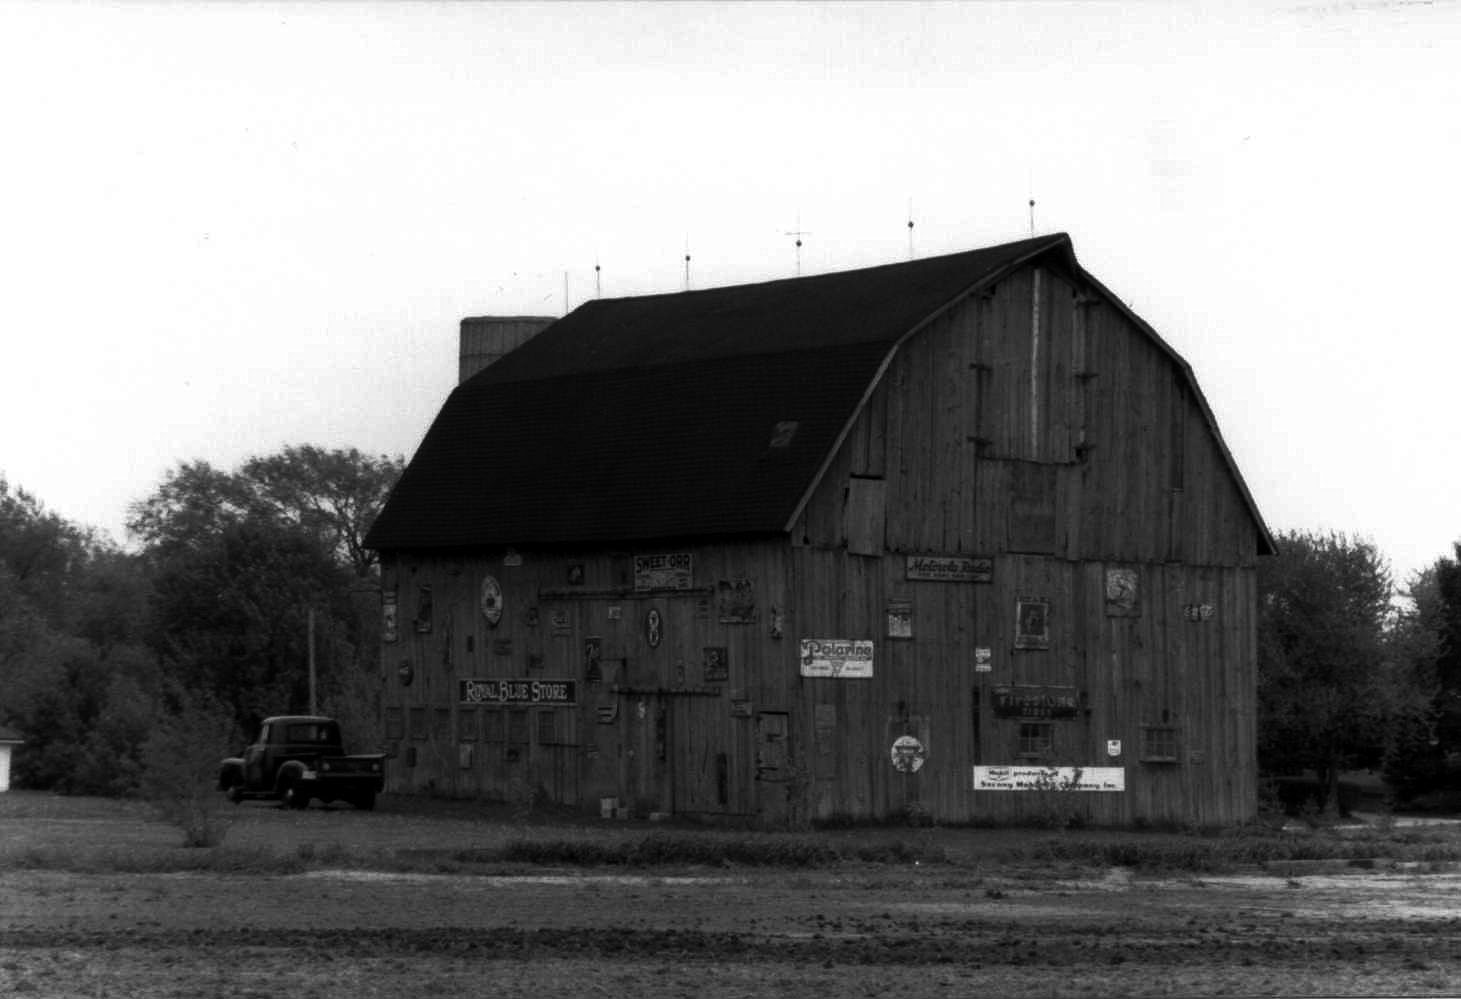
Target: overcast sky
232	227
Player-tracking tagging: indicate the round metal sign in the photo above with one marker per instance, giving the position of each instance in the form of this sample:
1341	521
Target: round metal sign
908	754
491	601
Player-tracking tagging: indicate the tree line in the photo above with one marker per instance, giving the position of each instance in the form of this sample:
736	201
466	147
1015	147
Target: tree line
214	604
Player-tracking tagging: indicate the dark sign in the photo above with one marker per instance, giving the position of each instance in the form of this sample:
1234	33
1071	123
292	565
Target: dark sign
549	692
1035	702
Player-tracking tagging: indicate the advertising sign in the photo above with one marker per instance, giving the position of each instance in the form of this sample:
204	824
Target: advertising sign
1036	778
552	693
837	657
949	568
672	571
908	754
1035	702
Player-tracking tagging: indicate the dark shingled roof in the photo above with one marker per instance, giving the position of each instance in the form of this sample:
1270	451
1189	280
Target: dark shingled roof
652	417
637	419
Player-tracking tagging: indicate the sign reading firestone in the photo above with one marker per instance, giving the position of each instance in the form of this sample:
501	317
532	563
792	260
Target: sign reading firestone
837	657
550	692
1028	778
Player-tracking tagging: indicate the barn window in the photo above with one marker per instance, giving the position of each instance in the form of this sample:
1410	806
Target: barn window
517	728
418	723
442	730
1037	739
494	726
467	725
547	727
1032	526
1159	744
395	724
864	515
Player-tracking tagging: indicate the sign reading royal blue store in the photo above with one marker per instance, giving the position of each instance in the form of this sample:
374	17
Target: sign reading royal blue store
550	693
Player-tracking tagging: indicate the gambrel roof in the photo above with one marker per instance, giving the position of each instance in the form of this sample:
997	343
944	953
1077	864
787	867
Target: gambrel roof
695	414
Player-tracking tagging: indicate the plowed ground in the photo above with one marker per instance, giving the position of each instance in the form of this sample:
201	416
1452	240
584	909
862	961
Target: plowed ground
861	931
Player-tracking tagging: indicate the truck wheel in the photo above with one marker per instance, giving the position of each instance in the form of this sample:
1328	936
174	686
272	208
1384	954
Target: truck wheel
365	802
235	793
295	796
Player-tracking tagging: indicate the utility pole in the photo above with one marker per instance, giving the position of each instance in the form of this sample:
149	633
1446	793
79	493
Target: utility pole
313	702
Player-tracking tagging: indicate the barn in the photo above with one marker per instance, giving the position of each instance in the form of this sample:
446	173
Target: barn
956	537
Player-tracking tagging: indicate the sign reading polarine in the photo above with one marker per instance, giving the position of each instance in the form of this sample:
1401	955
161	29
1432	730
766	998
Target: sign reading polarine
837	657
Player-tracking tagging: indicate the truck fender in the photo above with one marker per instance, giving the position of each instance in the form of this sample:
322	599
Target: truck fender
230	774
290	772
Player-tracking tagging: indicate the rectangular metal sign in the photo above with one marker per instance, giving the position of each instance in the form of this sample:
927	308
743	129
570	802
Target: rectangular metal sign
672	571
1021	701
1036	778
837	657
949	568
546	692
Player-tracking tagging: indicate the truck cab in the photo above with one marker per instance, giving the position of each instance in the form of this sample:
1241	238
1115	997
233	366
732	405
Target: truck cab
297	758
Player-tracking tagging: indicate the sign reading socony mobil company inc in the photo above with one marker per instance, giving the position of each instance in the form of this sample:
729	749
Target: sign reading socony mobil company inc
1030	778
837	657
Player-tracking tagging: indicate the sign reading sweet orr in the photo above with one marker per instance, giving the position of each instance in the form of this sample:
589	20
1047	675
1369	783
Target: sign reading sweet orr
1028	778
837	657
550	692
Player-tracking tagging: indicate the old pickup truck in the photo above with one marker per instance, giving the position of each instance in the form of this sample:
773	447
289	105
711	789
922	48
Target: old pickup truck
299	757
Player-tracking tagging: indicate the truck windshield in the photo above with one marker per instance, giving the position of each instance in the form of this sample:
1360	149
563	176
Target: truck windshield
319	733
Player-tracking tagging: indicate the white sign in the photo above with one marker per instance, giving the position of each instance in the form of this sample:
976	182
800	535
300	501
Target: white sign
1113	747
837	657
983	660
908	754
491	601
1031	778
672	571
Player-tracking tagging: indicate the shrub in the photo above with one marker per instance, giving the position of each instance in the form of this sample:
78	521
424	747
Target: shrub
180	766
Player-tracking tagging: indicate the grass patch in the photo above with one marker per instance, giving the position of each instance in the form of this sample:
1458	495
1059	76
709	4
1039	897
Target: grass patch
690	849
1233	850
215	860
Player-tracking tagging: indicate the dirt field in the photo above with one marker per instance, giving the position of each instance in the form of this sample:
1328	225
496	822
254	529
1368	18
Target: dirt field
861	930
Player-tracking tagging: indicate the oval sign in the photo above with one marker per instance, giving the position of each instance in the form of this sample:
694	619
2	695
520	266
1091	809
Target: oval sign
491	601
654	627
908	754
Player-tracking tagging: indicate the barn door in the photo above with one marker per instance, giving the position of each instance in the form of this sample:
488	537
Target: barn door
701	762
645	759
773	766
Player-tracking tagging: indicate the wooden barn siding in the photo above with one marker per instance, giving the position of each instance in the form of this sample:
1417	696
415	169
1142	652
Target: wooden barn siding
1130	669
949	429
589	760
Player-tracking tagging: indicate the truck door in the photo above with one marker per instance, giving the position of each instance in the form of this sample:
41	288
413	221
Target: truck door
253	765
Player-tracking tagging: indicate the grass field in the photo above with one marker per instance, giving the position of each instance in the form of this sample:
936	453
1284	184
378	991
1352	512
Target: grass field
433	897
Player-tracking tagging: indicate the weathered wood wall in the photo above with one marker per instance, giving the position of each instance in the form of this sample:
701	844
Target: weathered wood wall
653	722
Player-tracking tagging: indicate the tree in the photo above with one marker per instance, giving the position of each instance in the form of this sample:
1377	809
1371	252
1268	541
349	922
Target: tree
1326	683
1427	755
73	678
239	561
335	495
332	495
